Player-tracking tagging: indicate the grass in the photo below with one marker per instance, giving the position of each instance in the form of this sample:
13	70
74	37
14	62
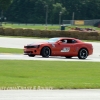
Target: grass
10	50
24	74
43	27
33	26
49	74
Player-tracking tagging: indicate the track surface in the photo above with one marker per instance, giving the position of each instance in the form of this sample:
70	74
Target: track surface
20	42
84	94
50	94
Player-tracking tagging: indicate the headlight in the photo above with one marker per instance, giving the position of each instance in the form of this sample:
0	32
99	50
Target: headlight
36	46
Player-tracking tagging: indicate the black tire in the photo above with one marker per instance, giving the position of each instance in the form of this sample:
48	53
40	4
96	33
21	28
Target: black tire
31	55
68	57
83	53
45	52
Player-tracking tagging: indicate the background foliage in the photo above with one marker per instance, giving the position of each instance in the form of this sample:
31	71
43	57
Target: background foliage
34	11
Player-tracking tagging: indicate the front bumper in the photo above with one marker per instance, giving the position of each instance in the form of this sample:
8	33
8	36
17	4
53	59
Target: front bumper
29	51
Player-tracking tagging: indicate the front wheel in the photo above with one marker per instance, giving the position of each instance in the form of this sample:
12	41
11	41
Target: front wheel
45	52
83	53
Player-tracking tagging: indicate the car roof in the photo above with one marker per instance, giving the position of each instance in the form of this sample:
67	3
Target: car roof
66	38
69	38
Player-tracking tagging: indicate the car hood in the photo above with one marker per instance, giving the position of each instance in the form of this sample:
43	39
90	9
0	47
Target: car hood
39	43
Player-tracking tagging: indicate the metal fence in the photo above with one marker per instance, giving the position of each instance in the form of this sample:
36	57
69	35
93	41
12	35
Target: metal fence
81	22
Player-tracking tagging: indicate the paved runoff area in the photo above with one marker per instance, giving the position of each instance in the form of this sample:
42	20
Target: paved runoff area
80	94
20	42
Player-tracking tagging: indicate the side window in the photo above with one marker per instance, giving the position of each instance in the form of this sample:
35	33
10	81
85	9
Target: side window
71	41
74	41
64	40
68	41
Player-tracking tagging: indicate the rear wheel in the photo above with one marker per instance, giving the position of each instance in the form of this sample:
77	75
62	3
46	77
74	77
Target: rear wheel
45	52
83	53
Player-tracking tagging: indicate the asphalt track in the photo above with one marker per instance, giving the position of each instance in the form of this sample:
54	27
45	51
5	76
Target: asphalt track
77	94
20	42
50	94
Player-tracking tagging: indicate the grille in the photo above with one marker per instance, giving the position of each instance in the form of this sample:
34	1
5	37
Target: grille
31	46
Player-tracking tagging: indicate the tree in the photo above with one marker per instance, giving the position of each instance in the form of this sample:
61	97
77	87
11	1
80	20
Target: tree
57	8
34	11
4	4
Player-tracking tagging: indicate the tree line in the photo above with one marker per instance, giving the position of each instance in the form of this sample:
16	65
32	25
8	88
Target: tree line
50	11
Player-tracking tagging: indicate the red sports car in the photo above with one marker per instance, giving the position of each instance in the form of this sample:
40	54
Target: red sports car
60	46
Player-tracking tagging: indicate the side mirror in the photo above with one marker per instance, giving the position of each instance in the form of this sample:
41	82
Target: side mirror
59	42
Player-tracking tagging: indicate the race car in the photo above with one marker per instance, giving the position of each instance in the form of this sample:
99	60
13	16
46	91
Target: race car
60	46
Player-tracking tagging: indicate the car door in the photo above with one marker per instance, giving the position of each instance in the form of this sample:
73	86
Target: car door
66	49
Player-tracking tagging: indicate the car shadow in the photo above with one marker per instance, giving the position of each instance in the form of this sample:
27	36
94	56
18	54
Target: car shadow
59	57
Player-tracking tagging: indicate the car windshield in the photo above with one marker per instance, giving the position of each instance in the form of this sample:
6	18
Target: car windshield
53	40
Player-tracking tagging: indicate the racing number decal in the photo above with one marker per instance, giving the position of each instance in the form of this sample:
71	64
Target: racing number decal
65	49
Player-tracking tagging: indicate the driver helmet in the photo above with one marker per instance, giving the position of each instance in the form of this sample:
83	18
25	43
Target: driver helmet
65	41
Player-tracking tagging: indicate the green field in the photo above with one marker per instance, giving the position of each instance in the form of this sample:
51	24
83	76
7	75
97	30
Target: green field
33	26
43	27
49	74
32	74
10	50
25	74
